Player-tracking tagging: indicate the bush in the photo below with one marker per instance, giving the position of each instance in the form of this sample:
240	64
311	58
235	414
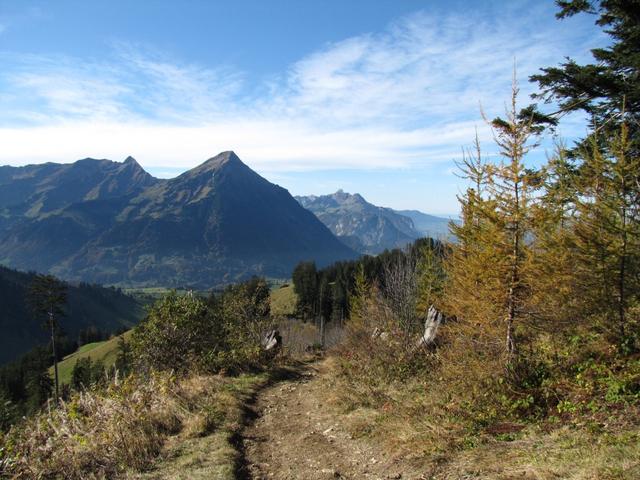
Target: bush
245	316
224	333
176	334
376	348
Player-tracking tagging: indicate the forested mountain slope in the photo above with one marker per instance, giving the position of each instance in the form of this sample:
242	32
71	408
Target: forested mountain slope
108	309
111	223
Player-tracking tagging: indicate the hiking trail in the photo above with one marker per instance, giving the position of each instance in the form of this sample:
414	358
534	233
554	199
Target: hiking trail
291	436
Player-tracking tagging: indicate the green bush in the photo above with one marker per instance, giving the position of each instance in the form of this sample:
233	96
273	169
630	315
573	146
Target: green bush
176	334
223	333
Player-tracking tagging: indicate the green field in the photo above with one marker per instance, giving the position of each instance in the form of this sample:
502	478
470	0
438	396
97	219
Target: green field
283	300
106	352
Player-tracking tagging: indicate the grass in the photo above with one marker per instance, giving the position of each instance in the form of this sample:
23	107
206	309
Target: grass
106	352
215	455
283	300
156	427
417	431
572	412
570	453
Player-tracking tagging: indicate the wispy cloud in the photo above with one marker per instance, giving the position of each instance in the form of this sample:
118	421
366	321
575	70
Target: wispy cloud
409	95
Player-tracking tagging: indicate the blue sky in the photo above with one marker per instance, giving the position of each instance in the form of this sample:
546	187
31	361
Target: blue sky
376	97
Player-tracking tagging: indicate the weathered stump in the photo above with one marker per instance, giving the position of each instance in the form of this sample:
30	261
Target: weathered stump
272	341
434	319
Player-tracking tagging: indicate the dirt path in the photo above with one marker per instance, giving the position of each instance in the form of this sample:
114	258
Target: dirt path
293	437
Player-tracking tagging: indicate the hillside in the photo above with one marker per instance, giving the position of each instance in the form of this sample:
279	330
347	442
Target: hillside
107	309
283	300
363	226
212	225
105	352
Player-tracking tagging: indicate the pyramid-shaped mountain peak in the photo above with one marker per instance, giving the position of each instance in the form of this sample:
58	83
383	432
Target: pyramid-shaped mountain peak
216	223
224	158
226	161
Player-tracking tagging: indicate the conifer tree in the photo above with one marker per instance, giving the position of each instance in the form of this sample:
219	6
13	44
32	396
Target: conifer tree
430	276
601	88
470	279
47	297
490	270
513	188
123	360
607	230
555	291
361	291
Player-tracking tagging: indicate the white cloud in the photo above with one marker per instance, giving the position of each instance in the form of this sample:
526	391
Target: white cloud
268	145
407	96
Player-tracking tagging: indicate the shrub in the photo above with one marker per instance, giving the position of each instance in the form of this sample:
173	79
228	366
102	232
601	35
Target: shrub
224	333
176	334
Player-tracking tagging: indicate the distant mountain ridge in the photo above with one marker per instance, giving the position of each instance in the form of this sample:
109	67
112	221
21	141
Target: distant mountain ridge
366	227
34	190
428	225
113	223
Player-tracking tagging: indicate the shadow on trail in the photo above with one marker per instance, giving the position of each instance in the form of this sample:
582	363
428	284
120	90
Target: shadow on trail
293	372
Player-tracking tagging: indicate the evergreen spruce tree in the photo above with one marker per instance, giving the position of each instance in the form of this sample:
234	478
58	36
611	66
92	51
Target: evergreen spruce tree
39	389
430	276
47	297
123	360
8	412
602	88
81	374
361	292
305	284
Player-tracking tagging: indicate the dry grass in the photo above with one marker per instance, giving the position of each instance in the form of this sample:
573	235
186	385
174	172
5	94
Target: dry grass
299	338
572	411
419	423
192	455
125	428
569	453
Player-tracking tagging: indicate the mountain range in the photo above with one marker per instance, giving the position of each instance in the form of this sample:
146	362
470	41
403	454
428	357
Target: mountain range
113	223
368	228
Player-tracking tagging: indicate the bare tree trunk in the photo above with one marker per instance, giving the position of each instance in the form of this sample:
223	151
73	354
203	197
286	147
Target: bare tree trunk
515	271
55	356
511	344
622	280
512	298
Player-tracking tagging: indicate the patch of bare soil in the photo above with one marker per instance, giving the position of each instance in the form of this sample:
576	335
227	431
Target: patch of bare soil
294	436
